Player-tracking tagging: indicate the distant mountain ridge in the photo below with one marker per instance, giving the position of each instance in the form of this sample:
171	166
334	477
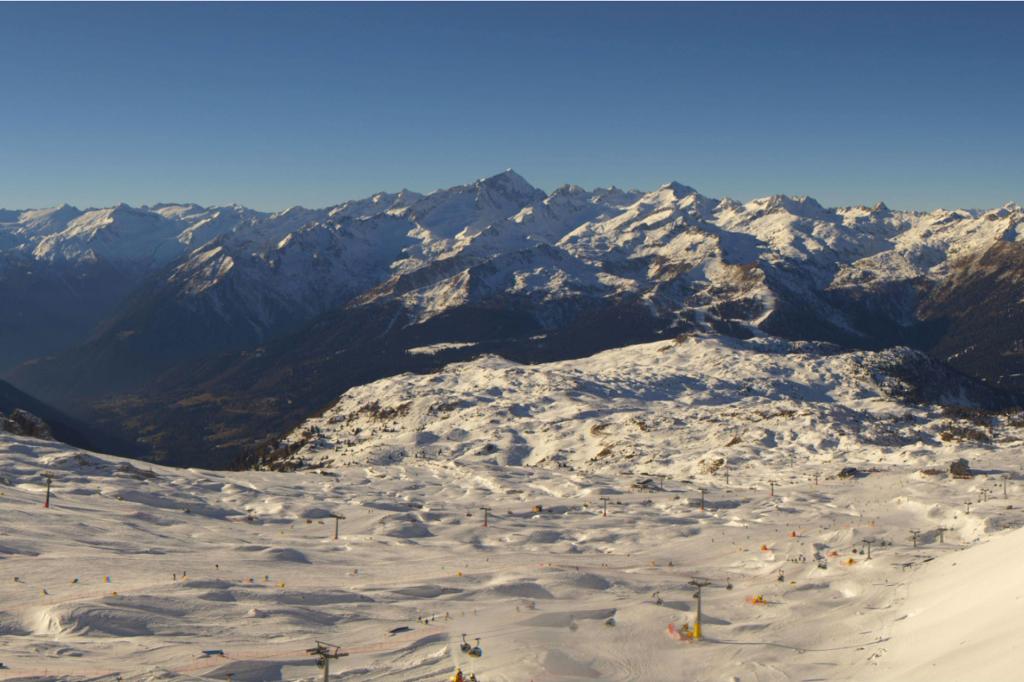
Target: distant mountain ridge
251	321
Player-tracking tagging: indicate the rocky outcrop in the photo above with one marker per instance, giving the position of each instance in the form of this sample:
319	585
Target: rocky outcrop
960	468
24	423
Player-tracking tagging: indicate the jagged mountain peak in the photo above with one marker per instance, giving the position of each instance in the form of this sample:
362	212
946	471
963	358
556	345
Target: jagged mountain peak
122	207
403	196
603	265
729	204
122	214
568	189
510	185
678	189
61	208
294	210
617	195
47	219
797	205
947	215
145	236
1008	210
510	178
612	196
381	202
185	205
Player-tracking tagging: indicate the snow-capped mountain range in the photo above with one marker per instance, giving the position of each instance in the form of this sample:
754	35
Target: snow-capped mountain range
297	306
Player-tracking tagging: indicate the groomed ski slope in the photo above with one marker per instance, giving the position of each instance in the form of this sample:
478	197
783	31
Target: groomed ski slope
963	617
265	578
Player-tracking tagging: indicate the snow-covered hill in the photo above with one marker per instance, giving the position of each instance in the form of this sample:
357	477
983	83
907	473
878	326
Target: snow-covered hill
149	573
694	405
961	615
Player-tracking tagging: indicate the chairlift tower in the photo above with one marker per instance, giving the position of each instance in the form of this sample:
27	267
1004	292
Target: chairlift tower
325	653
700	584
337	518
49	481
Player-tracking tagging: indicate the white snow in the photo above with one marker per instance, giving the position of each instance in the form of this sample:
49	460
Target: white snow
962	616
436	348
409	462
673	247
668	407
265	578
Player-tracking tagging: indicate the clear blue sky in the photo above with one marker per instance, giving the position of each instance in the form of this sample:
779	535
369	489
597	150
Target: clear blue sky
269	105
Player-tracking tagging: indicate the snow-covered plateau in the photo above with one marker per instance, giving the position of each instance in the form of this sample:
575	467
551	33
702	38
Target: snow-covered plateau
556	512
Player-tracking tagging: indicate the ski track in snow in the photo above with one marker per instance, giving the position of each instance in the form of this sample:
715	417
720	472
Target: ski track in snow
536	587
246	562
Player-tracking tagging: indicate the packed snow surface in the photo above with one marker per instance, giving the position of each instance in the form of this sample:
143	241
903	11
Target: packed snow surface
962	615
136	570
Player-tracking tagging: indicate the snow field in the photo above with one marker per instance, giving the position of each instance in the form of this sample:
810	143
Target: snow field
265	578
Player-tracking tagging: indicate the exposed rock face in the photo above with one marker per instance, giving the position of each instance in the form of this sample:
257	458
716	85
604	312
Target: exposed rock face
23	423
